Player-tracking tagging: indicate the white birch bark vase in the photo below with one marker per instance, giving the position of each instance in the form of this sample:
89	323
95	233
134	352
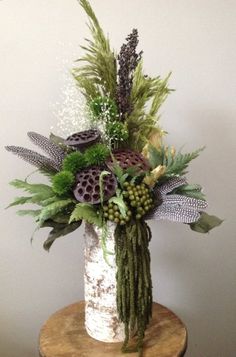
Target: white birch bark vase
101	317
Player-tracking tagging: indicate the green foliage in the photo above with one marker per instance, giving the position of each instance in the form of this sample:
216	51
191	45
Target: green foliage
87	212
40	193
62	182
194	191
96	154
74	162
205	223
156	157
50	211
103	108
44	191
98	74
177	164
146	93
119	201
58	230
28	212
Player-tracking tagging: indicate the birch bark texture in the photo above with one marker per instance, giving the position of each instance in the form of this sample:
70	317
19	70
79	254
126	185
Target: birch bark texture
101	316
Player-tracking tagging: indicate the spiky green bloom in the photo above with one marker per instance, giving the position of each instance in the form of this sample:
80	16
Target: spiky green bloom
63	182
74	162
96	154
103	108
117	131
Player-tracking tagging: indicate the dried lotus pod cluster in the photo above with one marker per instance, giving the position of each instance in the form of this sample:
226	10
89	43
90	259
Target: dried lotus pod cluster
87	185
128	158
83	139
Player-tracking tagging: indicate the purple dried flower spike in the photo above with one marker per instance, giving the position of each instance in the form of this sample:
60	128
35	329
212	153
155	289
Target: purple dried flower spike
88	189
128	60
83	139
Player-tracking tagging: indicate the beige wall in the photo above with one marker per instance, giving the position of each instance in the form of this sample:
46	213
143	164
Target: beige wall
193	275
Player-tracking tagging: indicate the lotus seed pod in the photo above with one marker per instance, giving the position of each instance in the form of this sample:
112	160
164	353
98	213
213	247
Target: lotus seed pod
128	158
87	185
83	139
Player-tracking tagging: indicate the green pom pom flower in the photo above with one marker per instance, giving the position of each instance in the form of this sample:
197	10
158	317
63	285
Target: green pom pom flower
103	108
96	154
63	182
117	131
74	162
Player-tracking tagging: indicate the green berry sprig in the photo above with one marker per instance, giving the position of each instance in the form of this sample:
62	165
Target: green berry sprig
112	213
139	198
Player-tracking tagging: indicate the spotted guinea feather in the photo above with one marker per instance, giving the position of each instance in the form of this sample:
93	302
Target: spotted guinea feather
34	158
55	152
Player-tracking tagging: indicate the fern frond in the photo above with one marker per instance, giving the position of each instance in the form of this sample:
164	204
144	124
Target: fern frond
29	212
87	212
98	75
41	190
177	164
54	208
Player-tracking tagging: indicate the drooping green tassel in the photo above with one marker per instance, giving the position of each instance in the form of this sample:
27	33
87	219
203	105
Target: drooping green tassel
134	284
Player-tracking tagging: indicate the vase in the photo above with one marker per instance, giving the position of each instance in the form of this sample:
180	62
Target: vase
101	316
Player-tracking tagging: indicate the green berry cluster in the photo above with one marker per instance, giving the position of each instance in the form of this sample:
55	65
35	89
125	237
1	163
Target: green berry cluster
139	198
112	213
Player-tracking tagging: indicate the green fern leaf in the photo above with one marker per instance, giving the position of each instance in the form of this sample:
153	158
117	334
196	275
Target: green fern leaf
54	208
177	164
29	212
87	212
39	189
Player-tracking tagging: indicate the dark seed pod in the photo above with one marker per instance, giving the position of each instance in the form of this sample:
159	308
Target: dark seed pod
83	139
128	158
87	185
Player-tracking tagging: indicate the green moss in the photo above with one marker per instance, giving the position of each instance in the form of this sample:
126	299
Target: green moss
96	154
63	182
74	162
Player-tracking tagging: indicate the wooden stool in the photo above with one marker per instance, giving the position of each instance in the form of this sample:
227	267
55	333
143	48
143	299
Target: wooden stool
64	335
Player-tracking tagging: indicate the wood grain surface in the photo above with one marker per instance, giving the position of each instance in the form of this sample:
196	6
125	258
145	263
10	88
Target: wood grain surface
64	335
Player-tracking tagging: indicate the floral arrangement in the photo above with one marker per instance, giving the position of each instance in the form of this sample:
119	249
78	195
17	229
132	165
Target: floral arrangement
119	170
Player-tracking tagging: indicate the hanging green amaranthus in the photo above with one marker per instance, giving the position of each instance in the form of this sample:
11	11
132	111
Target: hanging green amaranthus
134	285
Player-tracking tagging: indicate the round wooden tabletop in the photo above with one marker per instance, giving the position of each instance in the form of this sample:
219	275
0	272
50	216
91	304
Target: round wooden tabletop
64	335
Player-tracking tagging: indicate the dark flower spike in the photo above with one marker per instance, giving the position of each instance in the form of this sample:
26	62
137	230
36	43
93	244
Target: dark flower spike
128	60
55	152
34	158
174	207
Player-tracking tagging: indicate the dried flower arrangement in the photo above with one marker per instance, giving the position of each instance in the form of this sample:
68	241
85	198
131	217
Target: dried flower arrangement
119	170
